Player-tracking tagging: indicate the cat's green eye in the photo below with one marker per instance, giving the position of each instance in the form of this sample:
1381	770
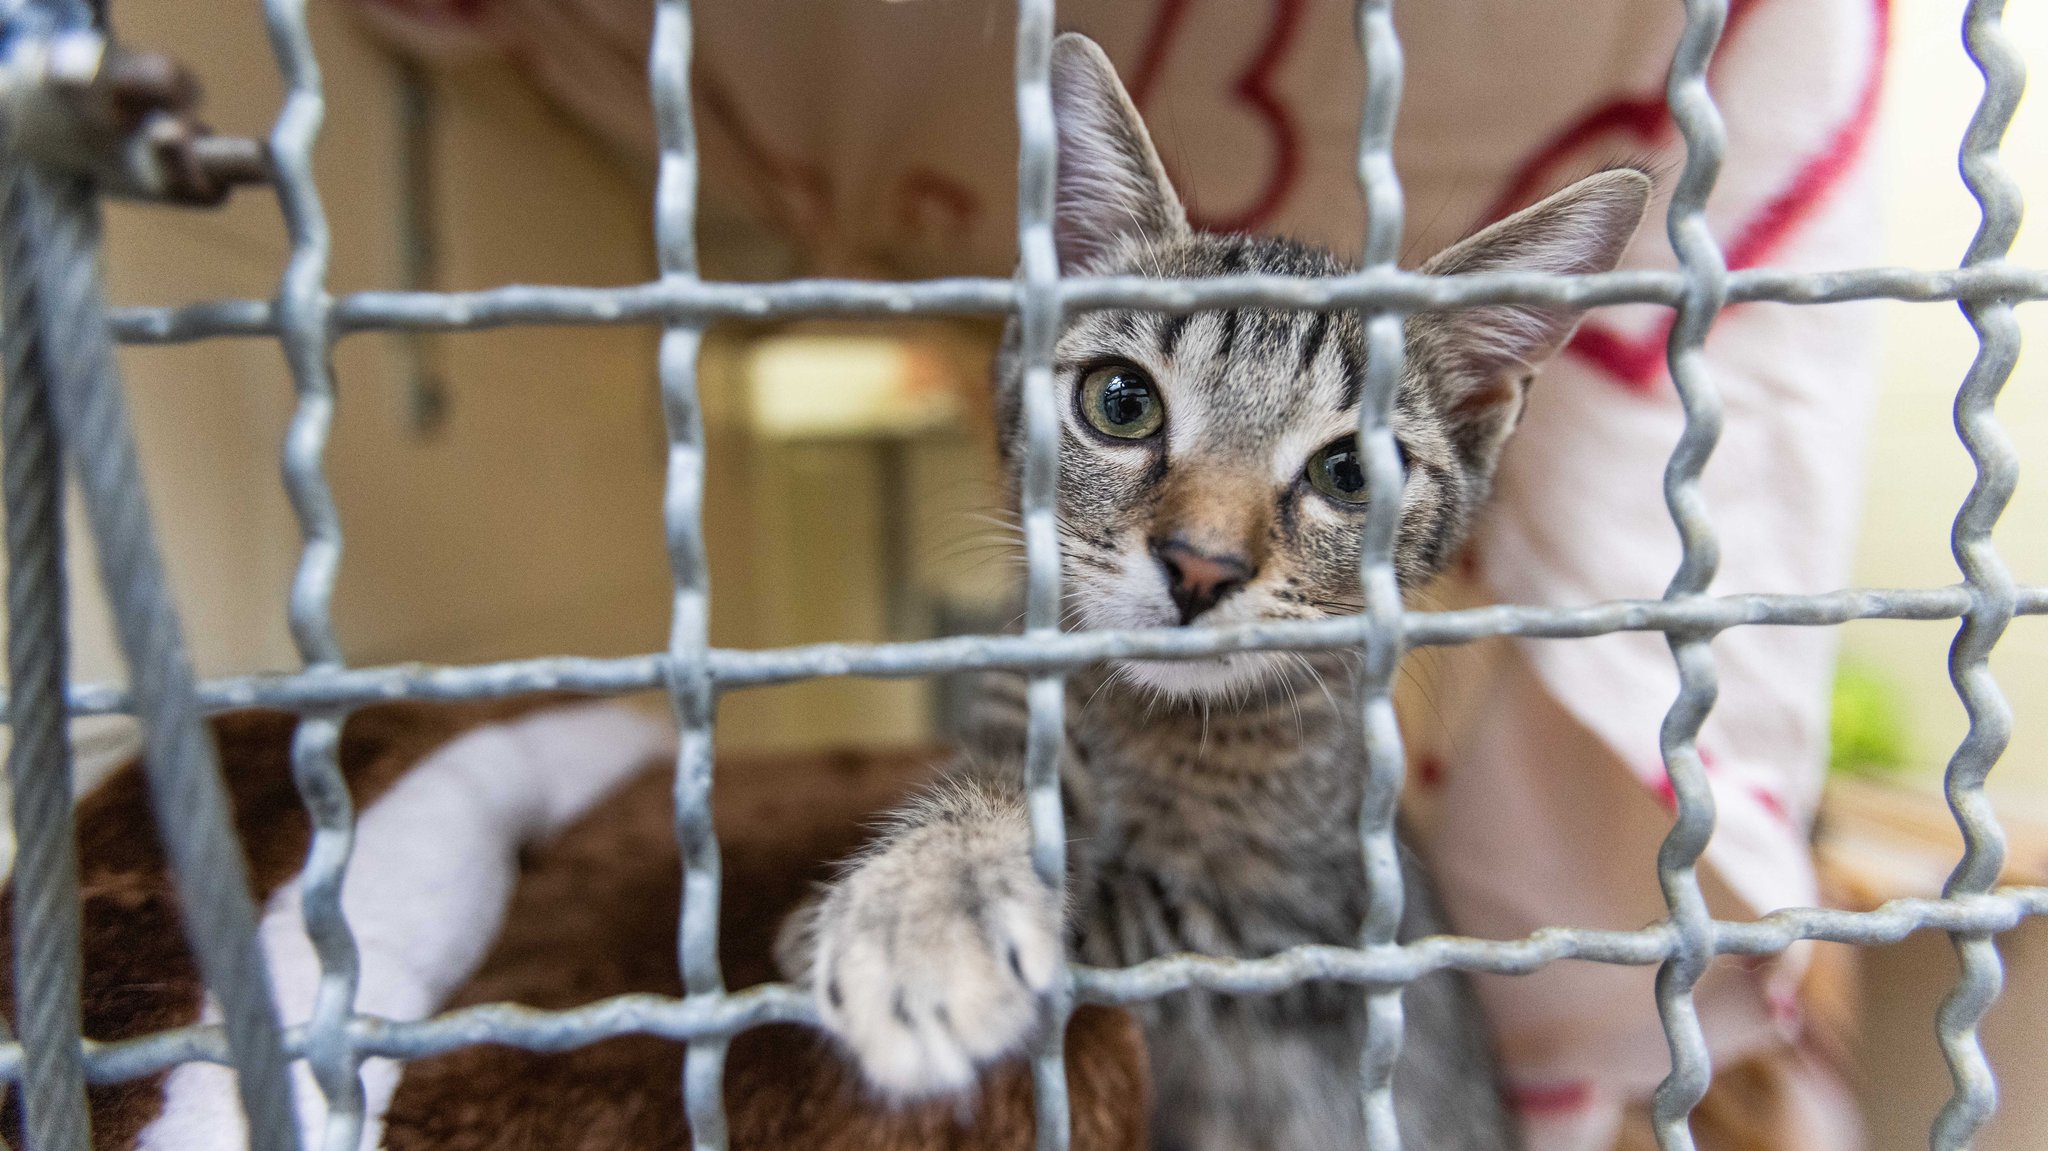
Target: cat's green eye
1119	400
1338	471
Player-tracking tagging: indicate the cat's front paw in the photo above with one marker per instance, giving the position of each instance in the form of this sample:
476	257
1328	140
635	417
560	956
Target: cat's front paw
933	958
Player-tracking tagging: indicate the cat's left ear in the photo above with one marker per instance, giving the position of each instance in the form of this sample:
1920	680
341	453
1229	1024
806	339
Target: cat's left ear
1111	184
1483	358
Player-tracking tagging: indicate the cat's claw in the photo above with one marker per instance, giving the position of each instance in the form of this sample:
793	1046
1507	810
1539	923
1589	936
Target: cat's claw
933	959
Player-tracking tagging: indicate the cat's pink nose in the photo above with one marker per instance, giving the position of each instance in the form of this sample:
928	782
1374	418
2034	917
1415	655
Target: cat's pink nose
1198	579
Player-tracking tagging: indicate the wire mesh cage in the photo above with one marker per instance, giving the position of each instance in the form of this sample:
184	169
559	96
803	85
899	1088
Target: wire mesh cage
63	400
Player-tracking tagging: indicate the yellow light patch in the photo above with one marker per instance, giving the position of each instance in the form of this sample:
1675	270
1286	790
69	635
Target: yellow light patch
847	386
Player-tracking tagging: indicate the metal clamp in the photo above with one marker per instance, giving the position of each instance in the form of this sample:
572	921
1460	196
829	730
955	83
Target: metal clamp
74	100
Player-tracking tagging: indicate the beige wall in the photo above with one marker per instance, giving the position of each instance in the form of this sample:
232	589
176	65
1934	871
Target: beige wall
522	525
529	522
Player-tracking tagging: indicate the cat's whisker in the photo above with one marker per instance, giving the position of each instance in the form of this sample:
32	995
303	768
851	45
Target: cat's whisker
975	552
1089	703
1309	666
1422	691
1433	659
1276	672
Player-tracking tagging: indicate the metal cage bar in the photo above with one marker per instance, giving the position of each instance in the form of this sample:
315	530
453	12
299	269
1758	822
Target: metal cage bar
64	393
689	675
306	336
53	237
1991	587
1038	319
1386	347
684	1019
737	668
48	925
50	1059
659	302
1706	290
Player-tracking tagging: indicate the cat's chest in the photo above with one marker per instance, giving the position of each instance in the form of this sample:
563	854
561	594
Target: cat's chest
1229	849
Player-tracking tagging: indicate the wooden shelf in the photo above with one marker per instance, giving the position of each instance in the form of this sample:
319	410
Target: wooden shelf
1880	841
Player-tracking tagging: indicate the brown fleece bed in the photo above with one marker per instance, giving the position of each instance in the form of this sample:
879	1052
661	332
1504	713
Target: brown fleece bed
594	915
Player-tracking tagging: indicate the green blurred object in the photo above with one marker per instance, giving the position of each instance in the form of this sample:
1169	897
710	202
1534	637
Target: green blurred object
1868	726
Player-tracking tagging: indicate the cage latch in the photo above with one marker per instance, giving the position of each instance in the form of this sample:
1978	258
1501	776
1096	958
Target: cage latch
74	100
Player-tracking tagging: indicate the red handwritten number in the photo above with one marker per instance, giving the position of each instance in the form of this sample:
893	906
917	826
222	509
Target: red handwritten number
1637	363
1253	89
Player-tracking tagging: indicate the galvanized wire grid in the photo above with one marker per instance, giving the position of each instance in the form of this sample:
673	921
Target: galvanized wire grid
51	1063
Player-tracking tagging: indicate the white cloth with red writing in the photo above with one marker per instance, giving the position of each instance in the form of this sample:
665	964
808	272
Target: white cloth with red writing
880	138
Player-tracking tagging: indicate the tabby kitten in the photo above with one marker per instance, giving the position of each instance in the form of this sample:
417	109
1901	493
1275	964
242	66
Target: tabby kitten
1208	475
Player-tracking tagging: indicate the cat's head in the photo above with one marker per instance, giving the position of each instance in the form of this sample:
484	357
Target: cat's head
1207	471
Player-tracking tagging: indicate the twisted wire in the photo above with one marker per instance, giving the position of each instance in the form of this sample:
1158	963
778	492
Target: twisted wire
55	230
689	663
301	311
701	301
1706	291
1385	762
47	928
734	669
1038	320
681	1020
1991	585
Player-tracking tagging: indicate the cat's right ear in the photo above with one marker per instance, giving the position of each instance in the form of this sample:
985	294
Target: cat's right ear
1111	184
1486	355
